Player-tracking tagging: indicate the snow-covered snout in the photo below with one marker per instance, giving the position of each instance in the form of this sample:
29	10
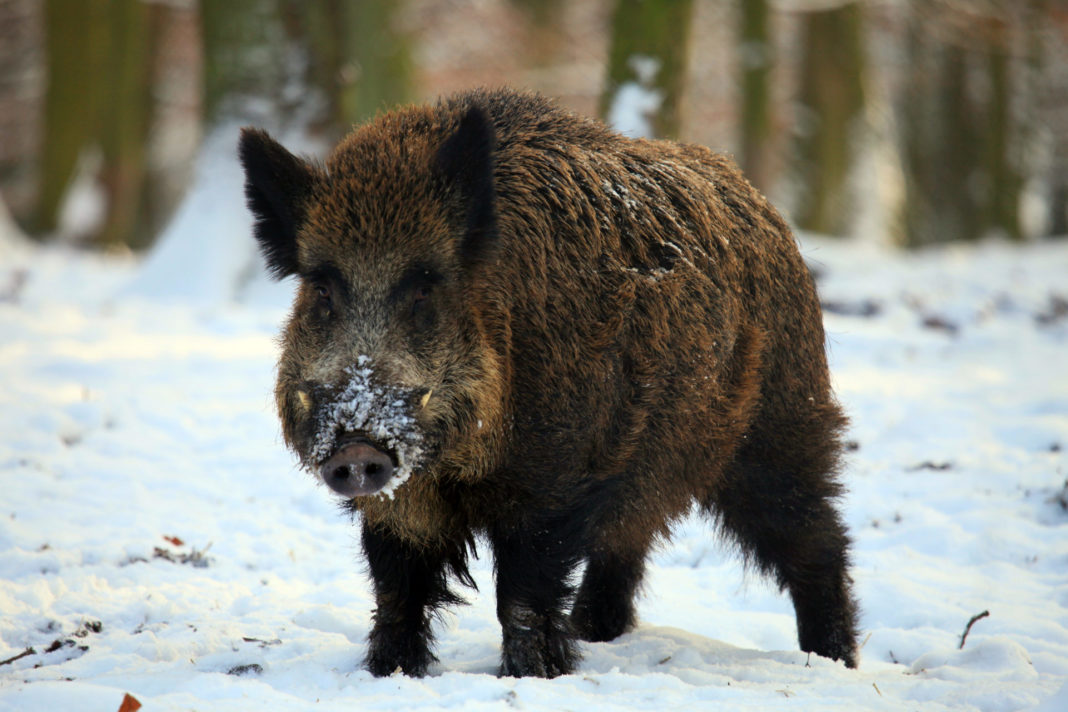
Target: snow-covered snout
360	436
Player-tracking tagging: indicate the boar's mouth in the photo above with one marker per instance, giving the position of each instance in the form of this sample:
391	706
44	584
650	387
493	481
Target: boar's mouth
358	467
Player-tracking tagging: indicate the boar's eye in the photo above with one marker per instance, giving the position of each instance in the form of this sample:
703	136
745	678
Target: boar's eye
321	285
414	293
420	295
322	293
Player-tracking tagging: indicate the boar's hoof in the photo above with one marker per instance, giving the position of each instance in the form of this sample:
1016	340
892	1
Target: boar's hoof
357	468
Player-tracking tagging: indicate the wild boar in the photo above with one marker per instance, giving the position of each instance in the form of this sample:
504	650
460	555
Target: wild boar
511	322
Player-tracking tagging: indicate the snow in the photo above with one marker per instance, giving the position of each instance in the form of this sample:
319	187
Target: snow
156	538
202	257
636	102
83	208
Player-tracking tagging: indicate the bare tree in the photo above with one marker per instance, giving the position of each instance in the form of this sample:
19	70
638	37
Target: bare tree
97	117
968	117
359	57
756	56
647	65
830	116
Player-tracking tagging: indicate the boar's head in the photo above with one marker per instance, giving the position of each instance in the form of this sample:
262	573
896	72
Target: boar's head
387	369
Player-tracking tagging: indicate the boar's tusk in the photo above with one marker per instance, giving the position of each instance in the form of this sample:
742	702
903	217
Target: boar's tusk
305	400
426	398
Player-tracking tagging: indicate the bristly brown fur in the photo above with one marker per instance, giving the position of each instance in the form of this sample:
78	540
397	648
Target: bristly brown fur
617	328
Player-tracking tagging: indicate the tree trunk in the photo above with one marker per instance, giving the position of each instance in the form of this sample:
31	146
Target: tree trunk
963	142
831	120
940	135
647	66
124	122
756	56
1049	39
359	58
1003	182
75	46
99	111
22	96
248	57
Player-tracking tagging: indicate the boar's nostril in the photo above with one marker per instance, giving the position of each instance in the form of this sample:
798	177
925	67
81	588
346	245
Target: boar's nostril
357	469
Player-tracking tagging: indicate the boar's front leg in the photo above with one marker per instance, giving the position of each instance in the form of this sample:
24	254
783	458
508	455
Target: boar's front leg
409	584
533	567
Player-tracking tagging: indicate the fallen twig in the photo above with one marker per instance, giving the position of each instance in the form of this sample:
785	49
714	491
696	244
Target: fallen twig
59	643
263	643
968	628
25	653
251	668
196	558
931	465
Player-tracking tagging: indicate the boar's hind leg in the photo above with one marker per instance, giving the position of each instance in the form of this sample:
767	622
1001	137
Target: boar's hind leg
409	584
777	502
533	567
604	607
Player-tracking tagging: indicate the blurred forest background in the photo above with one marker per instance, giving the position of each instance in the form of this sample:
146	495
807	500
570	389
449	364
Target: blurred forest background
904	121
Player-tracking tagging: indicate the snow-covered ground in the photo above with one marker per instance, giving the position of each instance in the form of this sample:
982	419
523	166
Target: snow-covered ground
156	538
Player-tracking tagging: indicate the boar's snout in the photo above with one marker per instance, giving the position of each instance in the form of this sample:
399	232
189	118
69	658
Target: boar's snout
358	468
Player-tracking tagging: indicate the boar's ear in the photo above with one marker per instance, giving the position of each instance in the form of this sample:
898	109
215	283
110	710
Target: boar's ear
277	186
466	160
